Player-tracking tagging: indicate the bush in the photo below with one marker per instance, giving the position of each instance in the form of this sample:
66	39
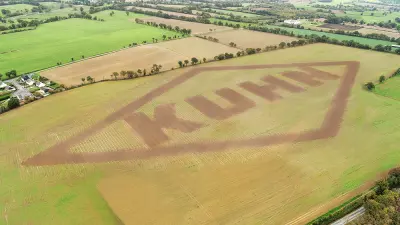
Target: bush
369	86
4	97
13	103
382	79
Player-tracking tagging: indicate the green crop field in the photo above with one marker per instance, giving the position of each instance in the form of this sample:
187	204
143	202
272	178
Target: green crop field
60	41
390	88
282	181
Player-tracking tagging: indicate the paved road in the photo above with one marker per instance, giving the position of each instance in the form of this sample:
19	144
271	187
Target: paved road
350	217
21	91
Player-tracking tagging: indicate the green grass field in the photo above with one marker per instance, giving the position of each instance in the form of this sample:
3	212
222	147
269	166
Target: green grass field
390	88
17	7
368	18
60	41
56	11
283	182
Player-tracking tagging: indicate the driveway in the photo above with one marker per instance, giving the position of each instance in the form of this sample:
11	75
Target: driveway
21	92
350	217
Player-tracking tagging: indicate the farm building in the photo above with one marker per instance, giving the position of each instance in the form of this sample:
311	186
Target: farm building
292	22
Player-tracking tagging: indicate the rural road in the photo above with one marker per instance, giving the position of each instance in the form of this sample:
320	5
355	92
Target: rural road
21	92
350	217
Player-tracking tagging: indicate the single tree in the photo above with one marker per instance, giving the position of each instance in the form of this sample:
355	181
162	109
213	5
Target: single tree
82	56
164	37
139	71
369	86
90	79
83	79
204	60
13	103
123	73
194	60
115	74
127	13
72	59
382	79
282	45
180	63
186	62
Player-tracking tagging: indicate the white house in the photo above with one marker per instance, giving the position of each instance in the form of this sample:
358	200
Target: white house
292	22
395	46
39	84
3	85
29	82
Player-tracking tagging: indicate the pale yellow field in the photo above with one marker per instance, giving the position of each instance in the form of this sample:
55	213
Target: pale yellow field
250	39
167	12
247	185
166	54
197	28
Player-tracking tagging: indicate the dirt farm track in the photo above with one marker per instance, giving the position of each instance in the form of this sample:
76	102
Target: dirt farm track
272	138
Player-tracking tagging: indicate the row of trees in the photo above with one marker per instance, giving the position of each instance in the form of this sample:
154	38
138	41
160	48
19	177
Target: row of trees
193	61
184	31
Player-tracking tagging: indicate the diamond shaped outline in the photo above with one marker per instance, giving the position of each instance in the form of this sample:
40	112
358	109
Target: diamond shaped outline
58	154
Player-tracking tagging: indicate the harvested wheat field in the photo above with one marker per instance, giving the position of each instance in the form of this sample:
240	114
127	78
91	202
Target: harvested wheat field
142	57
250	39
272	138
197	28
163	11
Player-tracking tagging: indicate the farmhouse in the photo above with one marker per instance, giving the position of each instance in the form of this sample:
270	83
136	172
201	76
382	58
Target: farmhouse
292	22
395	46
3	85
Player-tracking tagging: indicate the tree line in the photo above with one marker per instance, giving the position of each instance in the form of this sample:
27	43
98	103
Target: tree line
184	31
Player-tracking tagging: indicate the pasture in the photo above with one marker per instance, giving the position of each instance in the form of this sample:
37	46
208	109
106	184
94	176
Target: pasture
166	54
250	39
230	172
197	28
16	7
63	40
390	88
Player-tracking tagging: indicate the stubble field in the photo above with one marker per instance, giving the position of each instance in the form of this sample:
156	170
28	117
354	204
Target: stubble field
166	54
156	180
197	28
250	39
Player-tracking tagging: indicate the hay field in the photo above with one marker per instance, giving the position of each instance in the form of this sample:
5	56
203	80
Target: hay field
142	57
197	28
250	39
240	185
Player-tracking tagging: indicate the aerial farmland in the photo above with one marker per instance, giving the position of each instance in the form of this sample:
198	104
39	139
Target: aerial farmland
197	113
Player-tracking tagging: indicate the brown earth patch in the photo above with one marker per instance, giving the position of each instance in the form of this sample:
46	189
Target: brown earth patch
142	57
59	153
197	28
250	39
